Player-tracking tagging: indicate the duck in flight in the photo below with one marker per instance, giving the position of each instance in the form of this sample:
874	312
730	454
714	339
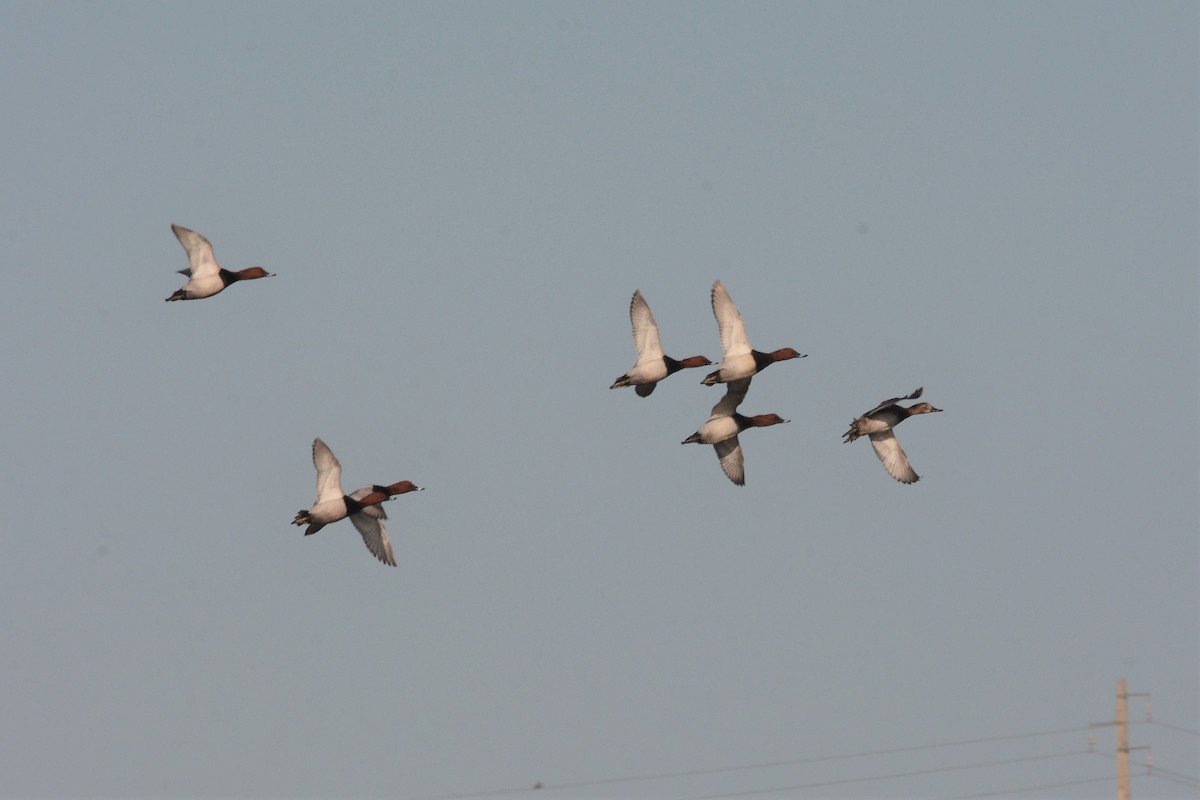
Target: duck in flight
739	360
723	426
205	276
361	505
653	364
877	424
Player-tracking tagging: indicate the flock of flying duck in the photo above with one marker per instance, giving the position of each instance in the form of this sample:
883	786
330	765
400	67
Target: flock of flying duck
739	364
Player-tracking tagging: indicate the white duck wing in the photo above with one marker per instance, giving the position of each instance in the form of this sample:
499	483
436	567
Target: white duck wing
645	330
329	472
729	452
199	252
893	457
895	400
369	523
735	393
729	323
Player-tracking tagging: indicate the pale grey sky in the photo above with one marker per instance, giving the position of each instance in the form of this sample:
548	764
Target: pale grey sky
995	201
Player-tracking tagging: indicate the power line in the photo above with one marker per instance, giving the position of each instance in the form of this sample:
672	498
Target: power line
485	793
813	759
1167	775
1174	777
1043	786
756	766
910	774
1033	788
1171	727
